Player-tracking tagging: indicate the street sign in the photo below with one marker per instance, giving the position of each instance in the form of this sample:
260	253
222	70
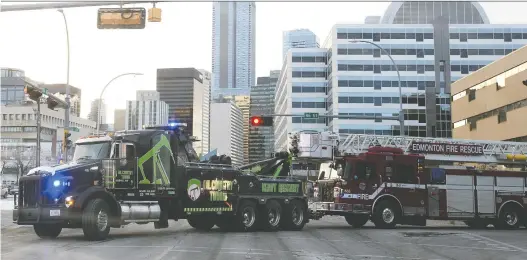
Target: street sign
73	128
45	91
311	115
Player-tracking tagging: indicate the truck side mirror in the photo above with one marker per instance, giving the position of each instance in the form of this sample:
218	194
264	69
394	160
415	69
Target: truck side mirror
122	151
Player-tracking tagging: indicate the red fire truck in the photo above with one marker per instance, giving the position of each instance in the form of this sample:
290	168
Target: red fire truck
394	180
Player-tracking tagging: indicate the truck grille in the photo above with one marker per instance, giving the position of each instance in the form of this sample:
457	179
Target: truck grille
29	193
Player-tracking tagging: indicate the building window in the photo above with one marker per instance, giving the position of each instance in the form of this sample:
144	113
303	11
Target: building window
471	94
473	125
502	116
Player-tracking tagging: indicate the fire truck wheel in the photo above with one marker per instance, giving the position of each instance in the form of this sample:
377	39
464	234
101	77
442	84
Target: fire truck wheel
294	217
510	218
385	215
95	220
271	215
357	221
47	230
201	222
247	216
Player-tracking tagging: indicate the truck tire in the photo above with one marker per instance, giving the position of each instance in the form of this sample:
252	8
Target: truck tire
271	216
294	217
357	221
385	215
201	222
509	218
95	220
247	216
47	230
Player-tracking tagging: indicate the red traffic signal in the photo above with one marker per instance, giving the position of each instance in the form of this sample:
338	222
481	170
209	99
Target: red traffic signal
261	121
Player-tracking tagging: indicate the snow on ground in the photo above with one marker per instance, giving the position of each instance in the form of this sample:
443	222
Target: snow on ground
7	203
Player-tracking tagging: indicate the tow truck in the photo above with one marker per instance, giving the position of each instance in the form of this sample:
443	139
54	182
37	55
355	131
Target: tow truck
154	175
394	180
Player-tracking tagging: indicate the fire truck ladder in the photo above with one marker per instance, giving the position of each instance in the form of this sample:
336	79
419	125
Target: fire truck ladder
493	151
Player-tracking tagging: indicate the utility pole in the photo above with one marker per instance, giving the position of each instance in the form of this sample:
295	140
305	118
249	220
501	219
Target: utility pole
68	104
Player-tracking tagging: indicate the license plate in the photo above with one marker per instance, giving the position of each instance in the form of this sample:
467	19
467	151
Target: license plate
54	213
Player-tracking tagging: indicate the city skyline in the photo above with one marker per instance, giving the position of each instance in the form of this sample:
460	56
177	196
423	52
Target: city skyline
49	66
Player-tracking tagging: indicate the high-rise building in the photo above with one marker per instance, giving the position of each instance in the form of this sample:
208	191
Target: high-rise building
491	103
227	121
432	48
94	113
261	139
147	109
12	86
233	48
299	38
187	92
119	116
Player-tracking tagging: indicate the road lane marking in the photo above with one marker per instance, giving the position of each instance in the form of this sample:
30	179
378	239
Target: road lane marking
497	242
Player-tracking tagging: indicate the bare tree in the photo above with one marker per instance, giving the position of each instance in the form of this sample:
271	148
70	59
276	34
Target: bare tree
24	159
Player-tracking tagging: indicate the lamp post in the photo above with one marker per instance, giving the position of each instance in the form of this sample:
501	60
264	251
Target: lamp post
401	111
102	92
67	98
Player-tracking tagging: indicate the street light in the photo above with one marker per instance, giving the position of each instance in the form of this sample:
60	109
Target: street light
102	92
67	98
401	111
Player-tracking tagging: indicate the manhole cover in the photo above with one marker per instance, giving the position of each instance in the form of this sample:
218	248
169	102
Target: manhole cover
427	234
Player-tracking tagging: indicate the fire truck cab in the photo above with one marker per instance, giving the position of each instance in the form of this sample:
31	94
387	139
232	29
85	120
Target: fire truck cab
390	186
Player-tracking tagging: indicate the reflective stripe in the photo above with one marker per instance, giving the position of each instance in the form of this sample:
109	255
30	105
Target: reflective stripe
207	209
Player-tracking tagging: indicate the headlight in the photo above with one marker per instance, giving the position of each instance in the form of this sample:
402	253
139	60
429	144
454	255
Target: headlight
69	201
56	183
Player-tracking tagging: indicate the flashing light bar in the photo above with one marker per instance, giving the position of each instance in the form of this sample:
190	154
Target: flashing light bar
168	126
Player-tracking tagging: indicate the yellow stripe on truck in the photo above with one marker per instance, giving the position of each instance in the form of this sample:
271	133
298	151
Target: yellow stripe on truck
207	209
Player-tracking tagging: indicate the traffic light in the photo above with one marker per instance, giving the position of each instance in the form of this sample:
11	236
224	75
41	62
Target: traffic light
33	92
66	142
52	103
261	121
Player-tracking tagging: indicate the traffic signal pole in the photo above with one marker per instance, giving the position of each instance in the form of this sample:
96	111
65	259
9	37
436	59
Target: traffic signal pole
67	99
37	160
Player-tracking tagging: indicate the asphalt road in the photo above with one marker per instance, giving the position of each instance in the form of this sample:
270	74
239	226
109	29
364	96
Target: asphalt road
330	238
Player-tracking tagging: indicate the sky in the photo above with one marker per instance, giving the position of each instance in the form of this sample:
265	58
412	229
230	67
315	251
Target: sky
35	41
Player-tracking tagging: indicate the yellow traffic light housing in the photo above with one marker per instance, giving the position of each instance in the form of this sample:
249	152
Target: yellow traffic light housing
66	142
154	14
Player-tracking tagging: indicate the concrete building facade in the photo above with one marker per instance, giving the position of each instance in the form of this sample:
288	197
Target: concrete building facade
491	103
299	38
187	93
95	113
432	48
261	139
227	121
147	109
119	116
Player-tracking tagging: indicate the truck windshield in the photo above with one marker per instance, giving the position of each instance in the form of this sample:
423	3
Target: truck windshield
90	151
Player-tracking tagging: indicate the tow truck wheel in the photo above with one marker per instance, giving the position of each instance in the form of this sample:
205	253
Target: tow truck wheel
271	215
95	220
510	218
247	216
294	217
357	221
385	215
201	222
47	230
